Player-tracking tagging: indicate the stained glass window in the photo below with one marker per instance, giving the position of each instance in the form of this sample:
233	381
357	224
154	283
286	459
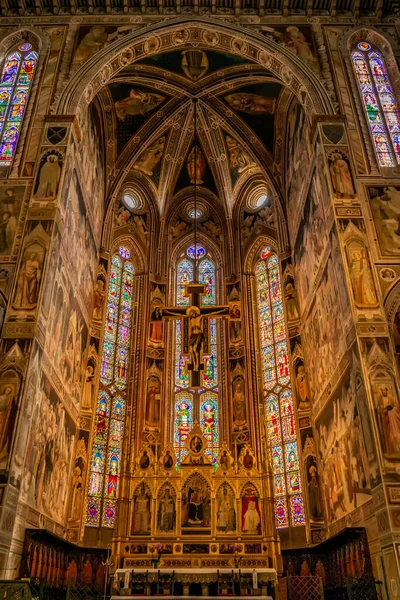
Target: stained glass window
278	405
196	398
15	83
379	103
110	413
209	421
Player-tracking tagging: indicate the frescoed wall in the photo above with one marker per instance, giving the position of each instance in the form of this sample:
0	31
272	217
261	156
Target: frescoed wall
291	151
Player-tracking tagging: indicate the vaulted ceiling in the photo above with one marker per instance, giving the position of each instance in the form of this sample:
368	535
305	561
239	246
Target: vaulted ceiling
240	113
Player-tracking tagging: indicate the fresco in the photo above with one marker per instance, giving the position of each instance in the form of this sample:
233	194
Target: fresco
194	64
311	242
11	197
239	159
298	155
48	176
78	244
385	205
67	334
133	106
256	105
202	171
90	40
90	159
345	444
327	323
49	453
9	391
300	42
150	160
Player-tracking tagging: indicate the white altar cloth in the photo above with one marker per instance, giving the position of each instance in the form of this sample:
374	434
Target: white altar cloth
204	574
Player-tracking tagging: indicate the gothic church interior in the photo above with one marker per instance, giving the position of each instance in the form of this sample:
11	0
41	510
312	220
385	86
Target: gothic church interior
200	297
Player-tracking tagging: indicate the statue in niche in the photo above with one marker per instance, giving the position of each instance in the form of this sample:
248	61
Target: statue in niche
239	402
141	513
48	177
166	512
226	514
251	516
362	282
302	386
341	176
153	399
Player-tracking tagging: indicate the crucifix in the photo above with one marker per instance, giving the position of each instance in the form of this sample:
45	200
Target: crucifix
196	329
195	316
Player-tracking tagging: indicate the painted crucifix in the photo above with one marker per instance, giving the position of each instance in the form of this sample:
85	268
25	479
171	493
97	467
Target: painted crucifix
195	328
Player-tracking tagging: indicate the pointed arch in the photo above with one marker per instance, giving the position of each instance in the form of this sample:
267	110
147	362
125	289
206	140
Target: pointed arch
278	405
380	105
190	405
111	402
17	74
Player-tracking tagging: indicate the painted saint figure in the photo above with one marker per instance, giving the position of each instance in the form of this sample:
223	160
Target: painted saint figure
153	402
226	515
361	279
139	102
48	178
29	277
166	512
389	413
251	519
341	176
251	103
239	402
156	325
150	158
302	388
142	515
99	295
196	165
7	417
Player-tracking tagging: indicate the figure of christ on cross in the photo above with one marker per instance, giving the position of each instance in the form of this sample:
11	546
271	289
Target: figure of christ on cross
196	333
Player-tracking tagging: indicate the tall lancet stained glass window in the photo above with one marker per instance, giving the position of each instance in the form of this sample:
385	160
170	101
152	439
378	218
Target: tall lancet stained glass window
200	405
111	403
278	400
15	85
379	103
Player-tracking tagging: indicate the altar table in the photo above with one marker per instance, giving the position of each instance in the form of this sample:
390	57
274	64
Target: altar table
259	579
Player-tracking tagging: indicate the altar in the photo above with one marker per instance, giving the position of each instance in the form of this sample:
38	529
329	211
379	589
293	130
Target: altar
184	583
